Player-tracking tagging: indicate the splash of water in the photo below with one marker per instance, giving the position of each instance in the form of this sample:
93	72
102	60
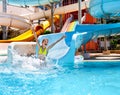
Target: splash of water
29	65
3	59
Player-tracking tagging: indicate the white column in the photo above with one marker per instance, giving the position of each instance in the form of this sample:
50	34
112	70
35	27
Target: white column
4	9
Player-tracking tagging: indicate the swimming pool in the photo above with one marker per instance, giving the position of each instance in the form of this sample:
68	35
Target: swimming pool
27	78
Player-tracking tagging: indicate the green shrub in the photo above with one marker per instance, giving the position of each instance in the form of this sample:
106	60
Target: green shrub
47	32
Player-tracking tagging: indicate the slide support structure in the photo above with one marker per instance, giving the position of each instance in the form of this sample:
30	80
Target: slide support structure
79	11
4	29
105	43
52	14
61	19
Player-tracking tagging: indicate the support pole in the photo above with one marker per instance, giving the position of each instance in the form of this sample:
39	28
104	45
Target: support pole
4	8
105	38
61	19
86	55
106	51
105	43
85	49
79	11
52	14
80	15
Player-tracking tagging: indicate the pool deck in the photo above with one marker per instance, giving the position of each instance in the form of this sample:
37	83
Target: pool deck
3	52
103	57
3	48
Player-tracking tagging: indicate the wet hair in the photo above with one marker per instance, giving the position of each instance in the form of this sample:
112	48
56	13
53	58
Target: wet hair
44	40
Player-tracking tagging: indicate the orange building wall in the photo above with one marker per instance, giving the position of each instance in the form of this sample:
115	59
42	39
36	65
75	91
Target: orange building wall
89	19
91	45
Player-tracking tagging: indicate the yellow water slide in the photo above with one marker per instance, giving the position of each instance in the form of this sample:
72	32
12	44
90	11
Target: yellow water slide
28	35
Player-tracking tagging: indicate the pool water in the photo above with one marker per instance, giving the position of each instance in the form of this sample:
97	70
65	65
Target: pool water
24	78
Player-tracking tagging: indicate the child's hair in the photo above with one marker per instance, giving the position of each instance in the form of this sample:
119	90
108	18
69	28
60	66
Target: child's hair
44	40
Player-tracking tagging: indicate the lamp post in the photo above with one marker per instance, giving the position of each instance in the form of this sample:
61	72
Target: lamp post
79	11
52	14
79	18
4	9
61	19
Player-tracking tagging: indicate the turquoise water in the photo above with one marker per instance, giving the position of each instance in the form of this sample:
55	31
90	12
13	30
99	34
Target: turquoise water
24	78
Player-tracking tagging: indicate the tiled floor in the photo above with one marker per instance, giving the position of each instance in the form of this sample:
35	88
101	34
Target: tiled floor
3	48
101	56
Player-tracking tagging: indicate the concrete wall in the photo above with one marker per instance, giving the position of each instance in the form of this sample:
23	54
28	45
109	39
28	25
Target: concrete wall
21	48
26	49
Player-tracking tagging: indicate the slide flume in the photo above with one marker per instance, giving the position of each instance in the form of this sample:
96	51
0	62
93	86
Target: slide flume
64	51
28	36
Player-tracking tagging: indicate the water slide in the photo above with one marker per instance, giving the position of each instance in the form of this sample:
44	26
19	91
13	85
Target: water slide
22	10
28	35
31	2
64	51
66	24
23	22
13	21
72	25
104	8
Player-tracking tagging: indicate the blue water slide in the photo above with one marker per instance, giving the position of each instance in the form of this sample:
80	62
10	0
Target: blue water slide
64	51
92	31
30	2
104	8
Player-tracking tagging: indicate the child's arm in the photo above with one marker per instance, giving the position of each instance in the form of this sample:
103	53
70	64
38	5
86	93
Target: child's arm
37	42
